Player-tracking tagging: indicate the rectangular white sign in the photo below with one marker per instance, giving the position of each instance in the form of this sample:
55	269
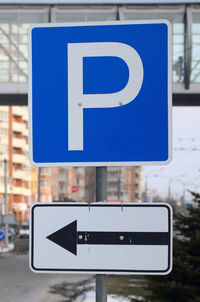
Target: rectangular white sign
102	238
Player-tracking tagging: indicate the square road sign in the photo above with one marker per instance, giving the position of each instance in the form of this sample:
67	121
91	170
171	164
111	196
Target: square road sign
100	93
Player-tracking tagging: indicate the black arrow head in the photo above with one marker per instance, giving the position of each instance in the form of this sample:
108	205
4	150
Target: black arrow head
66	237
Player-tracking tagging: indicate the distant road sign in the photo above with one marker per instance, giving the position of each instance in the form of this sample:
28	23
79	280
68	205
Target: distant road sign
72	238
74	189
100	93
2	235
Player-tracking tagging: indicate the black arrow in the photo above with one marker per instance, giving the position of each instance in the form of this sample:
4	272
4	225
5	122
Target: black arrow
68	238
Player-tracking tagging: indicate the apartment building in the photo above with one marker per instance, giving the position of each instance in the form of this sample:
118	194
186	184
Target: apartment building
124	184
18	163
14	149
45	185
68	183
22	178
54	183
61	191
133	184
33	185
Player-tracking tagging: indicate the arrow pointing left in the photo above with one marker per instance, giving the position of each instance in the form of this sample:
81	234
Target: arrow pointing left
68	238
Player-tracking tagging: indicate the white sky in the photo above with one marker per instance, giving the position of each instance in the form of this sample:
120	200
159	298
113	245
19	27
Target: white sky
185	165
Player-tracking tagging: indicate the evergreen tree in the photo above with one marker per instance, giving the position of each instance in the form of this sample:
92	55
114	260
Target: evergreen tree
183	283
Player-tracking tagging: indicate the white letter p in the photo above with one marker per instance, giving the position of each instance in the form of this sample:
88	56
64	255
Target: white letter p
77	101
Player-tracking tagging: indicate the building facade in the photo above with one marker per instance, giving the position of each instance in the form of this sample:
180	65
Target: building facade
14	149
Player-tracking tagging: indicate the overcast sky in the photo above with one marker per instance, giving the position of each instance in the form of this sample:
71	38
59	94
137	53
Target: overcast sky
185	165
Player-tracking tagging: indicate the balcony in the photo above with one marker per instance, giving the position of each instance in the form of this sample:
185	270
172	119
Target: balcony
21	174
25	116
18	143
26	147
20	159
28	176
25	132
19	111
18	174
137	181
21	191
2	189
19	127
137	170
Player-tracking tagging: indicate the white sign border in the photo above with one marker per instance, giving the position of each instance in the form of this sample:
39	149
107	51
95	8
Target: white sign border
119	163
100	204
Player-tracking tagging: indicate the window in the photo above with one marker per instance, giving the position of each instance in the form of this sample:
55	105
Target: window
4	149
3	131
85	14
45	184
195	68
63	177
3	115
176	17
45	171
62	188
13	42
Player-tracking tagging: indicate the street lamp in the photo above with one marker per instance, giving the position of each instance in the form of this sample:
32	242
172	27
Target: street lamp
6	199
174	178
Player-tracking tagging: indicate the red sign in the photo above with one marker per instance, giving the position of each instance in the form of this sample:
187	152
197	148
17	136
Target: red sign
74	189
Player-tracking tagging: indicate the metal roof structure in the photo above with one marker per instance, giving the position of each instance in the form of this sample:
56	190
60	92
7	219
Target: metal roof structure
184	14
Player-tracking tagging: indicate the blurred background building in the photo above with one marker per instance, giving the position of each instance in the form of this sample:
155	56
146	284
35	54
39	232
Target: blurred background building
78	183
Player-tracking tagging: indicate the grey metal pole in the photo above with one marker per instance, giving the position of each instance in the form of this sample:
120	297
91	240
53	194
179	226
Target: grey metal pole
6	198
169	191
145	191
39	183
119	189
101	195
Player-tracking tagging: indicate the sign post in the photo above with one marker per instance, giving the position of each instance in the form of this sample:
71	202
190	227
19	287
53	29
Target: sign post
101	195
108	87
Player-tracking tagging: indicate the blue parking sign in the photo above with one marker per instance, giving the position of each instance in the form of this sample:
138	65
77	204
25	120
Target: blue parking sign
100	93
